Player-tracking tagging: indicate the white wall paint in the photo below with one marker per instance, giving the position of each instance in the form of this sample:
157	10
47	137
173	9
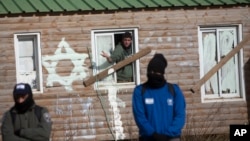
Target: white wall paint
72	127
115	103
79	72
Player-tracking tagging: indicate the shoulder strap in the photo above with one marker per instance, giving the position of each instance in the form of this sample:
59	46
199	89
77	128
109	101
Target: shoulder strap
143	89
38	113
13	115
171	88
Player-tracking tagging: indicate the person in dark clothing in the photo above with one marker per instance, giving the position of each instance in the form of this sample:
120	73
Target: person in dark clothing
21	122
121	52
159	108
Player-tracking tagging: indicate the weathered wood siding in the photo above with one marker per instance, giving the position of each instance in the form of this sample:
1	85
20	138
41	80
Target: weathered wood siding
172	32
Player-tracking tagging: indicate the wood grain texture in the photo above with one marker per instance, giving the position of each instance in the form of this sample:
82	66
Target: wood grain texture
86	113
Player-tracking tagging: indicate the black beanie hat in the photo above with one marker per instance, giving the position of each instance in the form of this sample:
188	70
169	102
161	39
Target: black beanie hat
157	64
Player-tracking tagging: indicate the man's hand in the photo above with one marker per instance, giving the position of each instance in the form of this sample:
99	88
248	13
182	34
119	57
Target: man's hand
104	54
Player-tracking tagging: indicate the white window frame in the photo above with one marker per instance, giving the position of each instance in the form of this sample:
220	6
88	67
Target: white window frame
136	72
219	97
35	37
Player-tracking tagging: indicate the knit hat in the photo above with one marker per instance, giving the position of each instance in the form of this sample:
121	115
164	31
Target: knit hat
157	64
22	89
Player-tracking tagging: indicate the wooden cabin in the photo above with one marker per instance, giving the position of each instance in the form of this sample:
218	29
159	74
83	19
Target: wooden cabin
55	46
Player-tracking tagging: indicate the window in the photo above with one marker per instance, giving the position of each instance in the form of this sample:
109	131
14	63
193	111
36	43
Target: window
107	40
28	63
215	43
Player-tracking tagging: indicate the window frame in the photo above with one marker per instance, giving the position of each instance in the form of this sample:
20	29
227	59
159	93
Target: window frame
35	37
220	97
136	68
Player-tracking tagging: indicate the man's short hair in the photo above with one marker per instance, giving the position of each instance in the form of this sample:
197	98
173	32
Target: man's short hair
126	35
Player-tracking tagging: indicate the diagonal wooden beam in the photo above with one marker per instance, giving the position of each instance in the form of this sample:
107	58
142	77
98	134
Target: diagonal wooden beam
117	66
223	61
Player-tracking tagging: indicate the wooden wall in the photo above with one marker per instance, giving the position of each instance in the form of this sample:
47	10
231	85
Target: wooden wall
86	114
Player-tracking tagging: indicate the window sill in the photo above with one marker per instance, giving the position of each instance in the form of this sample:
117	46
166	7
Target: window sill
223	99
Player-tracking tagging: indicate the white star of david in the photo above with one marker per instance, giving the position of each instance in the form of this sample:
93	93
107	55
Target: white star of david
79	72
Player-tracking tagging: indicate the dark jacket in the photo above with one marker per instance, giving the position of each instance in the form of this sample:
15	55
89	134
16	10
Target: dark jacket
31	128
119	54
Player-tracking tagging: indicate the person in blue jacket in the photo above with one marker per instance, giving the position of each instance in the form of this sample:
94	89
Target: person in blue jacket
159	108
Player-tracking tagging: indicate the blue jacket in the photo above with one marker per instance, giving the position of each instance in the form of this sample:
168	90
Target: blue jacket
157	110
